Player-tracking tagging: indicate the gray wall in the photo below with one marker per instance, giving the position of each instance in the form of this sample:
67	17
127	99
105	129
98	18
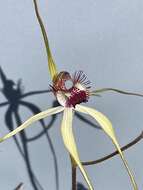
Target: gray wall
104	39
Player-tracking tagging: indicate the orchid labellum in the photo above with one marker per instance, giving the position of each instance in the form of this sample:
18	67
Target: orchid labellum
71	91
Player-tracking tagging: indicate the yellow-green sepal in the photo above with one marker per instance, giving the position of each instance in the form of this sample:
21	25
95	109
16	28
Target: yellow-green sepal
70	144
108	129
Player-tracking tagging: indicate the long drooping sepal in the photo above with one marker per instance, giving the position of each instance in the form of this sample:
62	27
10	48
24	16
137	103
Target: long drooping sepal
108	129
96	92
33	119
69	141
51	64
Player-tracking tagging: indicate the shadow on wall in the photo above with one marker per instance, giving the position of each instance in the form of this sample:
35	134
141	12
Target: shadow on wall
81	187
15	95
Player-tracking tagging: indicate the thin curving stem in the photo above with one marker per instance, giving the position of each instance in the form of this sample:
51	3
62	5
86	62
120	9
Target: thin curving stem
135	141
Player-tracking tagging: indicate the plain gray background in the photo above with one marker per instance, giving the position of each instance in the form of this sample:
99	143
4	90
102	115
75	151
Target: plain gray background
104	38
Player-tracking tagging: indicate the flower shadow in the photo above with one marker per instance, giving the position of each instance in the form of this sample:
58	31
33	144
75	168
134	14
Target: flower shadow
14	94
14	99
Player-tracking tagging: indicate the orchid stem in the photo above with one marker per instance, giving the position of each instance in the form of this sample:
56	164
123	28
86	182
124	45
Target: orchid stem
73	177
73	165
135	141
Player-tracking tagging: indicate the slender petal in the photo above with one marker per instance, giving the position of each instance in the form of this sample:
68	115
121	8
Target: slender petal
51	64
69	141
35	109
95	92
32	119
108	129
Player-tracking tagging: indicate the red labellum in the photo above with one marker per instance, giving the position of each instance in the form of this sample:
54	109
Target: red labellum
76	97
71	90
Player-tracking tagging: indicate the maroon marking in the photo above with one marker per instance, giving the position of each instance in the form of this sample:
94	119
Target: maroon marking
77	96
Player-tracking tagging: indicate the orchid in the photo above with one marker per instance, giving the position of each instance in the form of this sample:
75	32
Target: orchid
71	91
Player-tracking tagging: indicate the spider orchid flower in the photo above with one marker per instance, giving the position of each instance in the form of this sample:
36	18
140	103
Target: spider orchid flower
71	91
